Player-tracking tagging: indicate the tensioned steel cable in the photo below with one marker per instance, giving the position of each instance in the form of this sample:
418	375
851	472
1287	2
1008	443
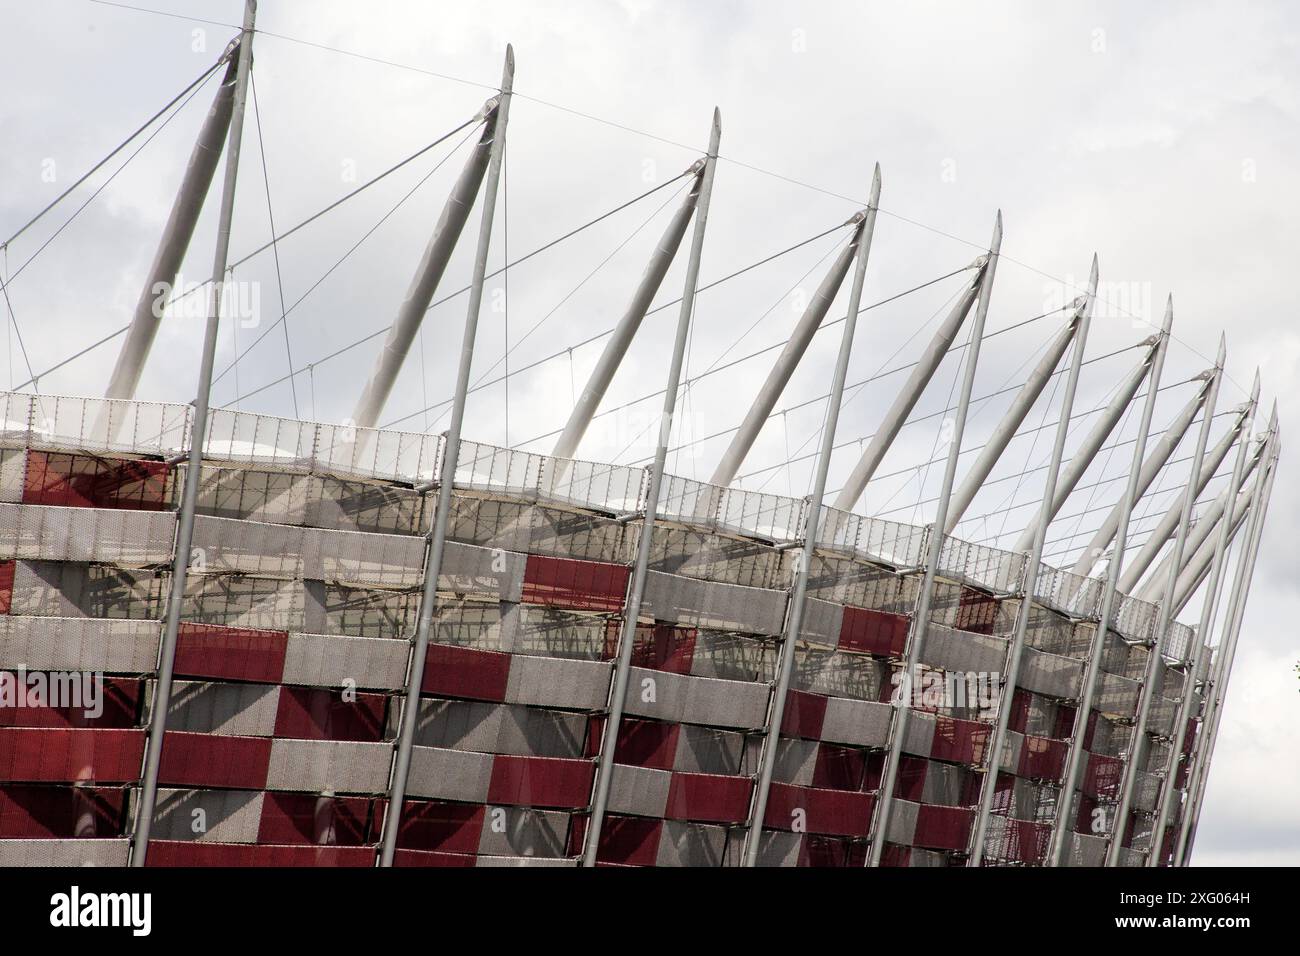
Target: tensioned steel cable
181	294
649	135
275	249
117	149
447	298
689	381
338	262
33	378
600	335
763	351
943	411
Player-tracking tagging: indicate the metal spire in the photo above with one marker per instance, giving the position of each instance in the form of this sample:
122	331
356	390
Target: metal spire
176	234
1183	719
794	616
455	212
194	472
1087	450
989	787
795	347
1014	417
1227	652
921	617
451	456
632	609
1061	826
1169	521
1160	636
1164	448
910	394
617	346
1200	531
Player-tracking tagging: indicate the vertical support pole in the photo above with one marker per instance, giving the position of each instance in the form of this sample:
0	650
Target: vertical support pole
1202	633
627	633
193	474
994	754
1061	826
1155	663
920	620
446	483
1227	653
794	618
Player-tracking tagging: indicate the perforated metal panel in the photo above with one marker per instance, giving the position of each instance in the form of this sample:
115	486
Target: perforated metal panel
320	660
84	644
217	708
329	765
682	600
222	816
63	852
110	536
449	774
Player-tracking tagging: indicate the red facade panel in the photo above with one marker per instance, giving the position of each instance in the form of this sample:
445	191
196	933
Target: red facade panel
443	827
89	481
896	855
194	853
204	760
119	707
645	743
910	782
1025	841
42	812
412	858
6	586
824	851
660	647
977	612
1042	758
303	818
841	768
943	828
583	585
318	713
708	798
873	632
59	755
466	672
804	715
833	812
624	841
230	653
1102	776
960	741
540	782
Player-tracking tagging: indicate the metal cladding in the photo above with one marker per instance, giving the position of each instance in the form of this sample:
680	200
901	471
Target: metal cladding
231	639
291	666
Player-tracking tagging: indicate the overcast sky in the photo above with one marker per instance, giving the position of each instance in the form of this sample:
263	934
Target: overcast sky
1162	137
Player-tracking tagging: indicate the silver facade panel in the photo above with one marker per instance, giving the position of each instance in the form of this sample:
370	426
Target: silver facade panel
330	766
449	774
245	710
220	816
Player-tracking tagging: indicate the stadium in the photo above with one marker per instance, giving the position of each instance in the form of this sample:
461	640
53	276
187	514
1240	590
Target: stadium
347	644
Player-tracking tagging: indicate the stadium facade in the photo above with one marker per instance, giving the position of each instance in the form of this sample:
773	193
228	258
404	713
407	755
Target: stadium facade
341	645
